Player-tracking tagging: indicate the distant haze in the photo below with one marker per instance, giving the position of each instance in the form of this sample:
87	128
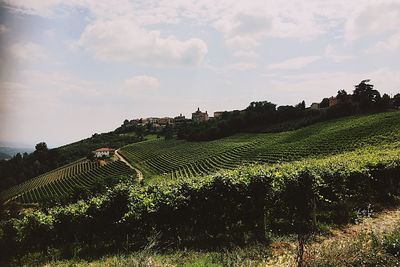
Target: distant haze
73	68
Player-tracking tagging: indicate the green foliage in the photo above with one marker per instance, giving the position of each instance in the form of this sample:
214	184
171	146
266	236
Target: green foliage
230	206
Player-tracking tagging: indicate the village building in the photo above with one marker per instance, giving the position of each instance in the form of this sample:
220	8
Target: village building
165	121
314	106
332	101
199	116
179	119
151	120
218	114
103	152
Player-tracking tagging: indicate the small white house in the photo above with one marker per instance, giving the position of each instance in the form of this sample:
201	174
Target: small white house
103	152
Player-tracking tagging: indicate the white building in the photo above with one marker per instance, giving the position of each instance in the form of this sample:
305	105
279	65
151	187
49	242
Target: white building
103	152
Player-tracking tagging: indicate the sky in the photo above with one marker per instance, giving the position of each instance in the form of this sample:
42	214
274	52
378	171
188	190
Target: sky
73	68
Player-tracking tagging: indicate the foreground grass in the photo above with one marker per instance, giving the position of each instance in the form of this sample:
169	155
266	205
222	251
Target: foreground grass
249	256
362	244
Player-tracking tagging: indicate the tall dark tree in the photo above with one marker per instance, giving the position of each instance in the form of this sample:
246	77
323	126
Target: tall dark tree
168	132
365	94
384	102
341	96
301	105
42	146
140	131
396	100
324	103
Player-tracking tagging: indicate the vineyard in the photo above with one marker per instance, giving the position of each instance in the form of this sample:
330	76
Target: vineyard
177	158
63	180
233	204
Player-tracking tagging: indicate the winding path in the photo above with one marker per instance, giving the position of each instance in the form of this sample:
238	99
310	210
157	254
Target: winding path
139	174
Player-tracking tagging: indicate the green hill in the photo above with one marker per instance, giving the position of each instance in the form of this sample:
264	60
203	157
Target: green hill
168	159
62	181
178	158
319	176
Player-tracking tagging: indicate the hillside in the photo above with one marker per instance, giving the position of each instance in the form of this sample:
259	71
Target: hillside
280	184
178	158
63	181
168	159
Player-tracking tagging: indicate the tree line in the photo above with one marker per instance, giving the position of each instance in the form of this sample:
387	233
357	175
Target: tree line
266	116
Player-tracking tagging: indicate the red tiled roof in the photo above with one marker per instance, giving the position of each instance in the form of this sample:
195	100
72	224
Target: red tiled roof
104	149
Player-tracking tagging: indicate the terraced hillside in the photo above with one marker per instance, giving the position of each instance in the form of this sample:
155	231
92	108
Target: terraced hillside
63	180
177	158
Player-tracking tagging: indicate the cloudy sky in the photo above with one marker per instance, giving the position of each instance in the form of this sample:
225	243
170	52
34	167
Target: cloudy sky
73	68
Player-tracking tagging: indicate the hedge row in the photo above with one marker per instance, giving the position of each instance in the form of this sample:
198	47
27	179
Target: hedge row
230	206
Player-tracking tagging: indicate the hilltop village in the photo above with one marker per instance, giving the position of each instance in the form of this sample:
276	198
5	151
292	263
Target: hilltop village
199	116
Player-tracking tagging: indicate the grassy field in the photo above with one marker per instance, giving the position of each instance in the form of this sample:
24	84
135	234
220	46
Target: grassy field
178	158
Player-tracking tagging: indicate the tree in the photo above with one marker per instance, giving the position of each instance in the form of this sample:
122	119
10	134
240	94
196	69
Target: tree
42	146
365	94
341	96
324	103
261	106
301	105
396	101
384	102
90	156
140	131
168	132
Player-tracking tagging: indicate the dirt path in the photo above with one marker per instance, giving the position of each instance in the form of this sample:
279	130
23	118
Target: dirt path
284	253
139	174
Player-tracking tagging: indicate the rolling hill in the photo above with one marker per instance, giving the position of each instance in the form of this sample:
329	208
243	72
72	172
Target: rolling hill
178	158
171	159
63	180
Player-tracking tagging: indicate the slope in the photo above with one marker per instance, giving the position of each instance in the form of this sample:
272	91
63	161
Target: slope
63	181
178	158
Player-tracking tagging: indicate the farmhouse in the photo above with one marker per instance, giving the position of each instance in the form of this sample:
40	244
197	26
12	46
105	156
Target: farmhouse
103	152
199	116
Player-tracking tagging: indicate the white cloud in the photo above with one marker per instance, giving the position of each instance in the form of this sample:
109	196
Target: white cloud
294	63
3	28
373	17
28	51
392	44
314	86
242	66
11	93
43	8
245	54
332	52
141	82
124	40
